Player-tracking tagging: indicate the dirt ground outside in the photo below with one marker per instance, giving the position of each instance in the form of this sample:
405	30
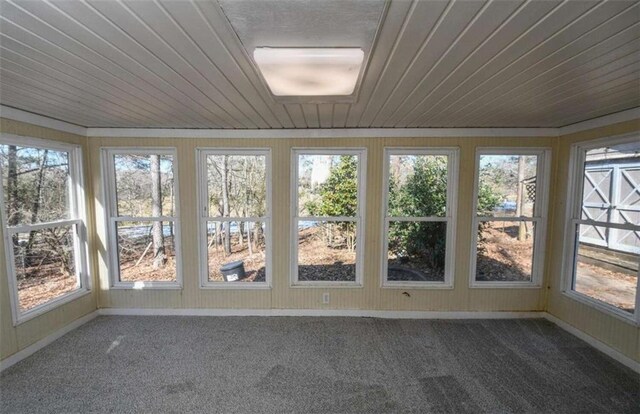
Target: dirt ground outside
319	262
134	267
254	264
615	288
501	256
49	284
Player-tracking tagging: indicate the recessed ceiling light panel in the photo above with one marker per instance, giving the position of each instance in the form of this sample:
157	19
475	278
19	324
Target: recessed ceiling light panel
310	71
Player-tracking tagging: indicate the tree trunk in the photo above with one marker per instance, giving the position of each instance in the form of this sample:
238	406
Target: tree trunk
225	205
249	241
522	231
218	234
159	255
35	206
13	215
257	229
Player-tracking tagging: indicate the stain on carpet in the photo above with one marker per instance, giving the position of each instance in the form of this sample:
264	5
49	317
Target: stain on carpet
324	394
445	394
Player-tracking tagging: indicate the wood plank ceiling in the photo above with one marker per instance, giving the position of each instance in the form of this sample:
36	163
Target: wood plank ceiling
180	64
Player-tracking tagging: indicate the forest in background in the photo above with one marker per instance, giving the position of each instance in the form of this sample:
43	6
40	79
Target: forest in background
36	190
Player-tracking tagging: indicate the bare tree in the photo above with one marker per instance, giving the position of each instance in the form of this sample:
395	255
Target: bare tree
225	204
35	206
159	254
522	230
12	190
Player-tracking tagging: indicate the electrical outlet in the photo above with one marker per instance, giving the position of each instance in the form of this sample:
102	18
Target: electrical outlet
325	298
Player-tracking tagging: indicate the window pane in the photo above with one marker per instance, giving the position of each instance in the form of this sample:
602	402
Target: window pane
144	185
245	193
607	275
236	251
327	251
416	251
35	184
45	265
507	185
328	185
611	194
417	185
146	251
505	251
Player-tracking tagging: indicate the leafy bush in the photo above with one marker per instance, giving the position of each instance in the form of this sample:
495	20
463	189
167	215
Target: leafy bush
423	193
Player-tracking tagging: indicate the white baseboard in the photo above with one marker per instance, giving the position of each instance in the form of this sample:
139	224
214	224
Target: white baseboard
597	344
320	312
33	348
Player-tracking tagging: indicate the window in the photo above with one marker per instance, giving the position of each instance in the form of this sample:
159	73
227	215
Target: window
419	219
235	223
43	215
510	217
327	210
604	225
143	220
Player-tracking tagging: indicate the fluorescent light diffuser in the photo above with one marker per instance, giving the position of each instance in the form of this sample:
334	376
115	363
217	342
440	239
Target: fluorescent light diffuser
310	71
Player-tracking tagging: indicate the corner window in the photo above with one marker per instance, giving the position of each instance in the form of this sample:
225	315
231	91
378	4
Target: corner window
235	221
604	225
143	221
419	217
43	216
328	206
509	226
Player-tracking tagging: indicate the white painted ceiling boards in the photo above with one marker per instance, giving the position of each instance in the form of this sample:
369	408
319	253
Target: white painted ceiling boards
187	64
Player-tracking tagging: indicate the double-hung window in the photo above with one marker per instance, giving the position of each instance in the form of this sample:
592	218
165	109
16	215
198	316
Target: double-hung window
42	207
327	211
141	196
603	243
510	209
419	217
235	223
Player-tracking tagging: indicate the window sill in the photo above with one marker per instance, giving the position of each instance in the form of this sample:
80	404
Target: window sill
504	285
416	285
51	305
603	307
236	285
147	286
326	285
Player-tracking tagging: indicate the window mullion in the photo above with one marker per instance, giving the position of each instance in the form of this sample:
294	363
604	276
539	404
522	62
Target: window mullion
151	218
26	228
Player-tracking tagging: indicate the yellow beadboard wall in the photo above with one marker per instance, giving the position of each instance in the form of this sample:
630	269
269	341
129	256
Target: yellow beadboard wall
621	335
618	334
371	296
14	339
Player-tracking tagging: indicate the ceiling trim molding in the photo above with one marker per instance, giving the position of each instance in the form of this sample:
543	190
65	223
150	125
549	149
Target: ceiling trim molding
622	116
322	133
46	122
41	120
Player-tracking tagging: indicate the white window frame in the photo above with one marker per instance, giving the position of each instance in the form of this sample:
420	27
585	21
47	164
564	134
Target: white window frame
204	217
452	154
111	217
574	218
539	217
359	218
78	214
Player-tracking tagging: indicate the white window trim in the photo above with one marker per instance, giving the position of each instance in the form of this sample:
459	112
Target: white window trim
452	154
78	211
573	218
359	219
539	217
111	217
203	218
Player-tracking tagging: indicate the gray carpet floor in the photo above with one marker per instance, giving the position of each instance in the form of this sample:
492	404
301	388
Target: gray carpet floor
317	365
